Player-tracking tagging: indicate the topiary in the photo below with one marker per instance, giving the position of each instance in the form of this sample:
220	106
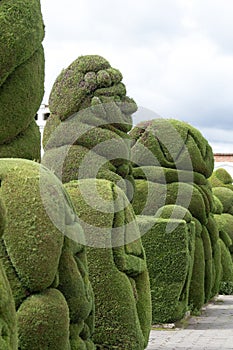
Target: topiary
8	337
117	264
169	246
45	266
21	76
221	178
171	164
90	109
86	137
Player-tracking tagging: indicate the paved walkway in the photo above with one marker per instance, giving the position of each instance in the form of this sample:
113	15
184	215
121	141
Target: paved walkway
213	330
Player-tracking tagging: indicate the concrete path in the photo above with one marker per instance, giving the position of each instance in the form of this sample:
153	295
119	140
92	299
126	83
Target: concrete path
213	330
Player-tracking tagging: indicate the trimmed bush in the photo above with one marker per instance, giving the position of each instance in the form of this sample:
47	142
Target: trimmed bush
117	265
8	337
170	261
47	271
171	164
213	232
21	77
225	195
174	144
89	108
26	145
221	178
224	220
43	321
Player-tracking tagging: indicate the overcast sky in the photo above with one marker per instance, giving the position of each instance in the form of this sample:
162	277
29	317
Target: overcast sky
176	56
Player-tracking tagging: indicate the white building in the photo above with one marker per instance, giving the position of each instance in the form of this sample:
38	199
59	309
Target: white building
42	115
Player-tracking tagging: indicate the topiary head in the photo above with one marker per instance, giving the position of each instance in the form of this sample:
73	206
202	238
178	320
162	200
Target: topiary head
90	82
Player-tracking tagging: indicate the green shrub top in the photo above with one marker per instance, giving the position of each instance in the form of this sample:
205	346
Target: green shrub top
225	196
90	81
221	177
172	144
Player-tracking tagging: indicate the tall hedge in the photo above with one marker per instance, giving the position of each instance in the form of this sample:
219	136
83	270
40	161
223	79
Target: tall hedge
21	77
170	262
223	195
172	162
45	266
117	265
85	139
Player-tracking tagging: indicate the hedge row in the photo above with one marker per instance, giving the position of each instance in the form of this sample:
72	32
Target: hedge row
171	165
221	182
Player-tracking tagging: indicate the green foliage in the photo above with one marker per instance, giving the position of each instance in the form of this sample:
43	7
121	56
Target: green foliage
20	96
26	145
89	81
221	177
21	77
208	263
8	336
197	284
169	255
149	197
226	288
213	232
90	109
218	207
174	144
48	274
22	32
171	164
117	269
43	322
227	264
29	232
225	195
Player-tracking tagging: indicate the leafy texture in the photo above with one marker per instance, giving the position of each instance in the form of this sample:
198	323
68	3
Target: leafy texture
221	181
45	265
171	164
170	263
89	122
21	77
8	337
117	269
85	139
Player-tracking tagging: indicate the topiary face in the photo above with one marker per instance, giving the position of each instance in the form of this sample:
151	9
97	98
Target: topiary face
90	81
90	110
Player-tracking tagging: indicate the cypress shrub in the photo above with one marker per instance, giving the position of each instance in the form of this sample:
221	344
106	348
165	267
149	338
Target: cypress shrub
171	165
170	261
117	265
45	266
225	195
224	220
89	122
8	337
21	77
90	110
221	178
